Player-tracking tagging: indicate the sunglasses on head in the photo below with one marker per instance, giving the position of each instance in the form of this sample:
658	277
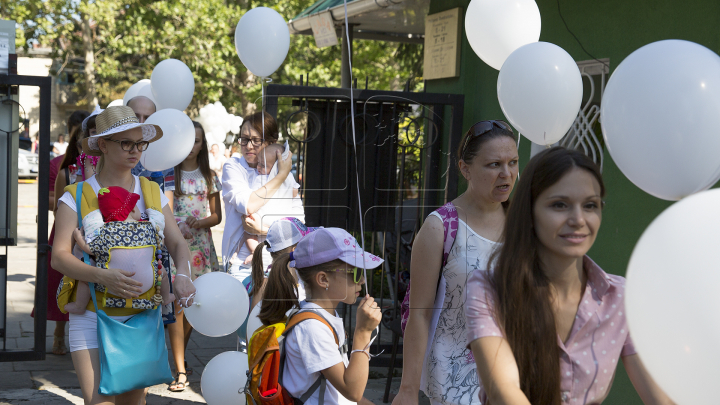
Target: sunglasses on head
483	127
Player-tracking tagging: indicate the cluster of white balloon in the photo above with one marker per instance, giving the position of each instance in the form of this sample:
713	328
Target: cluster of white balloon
220	307
539	86
660	118
171	87
217	122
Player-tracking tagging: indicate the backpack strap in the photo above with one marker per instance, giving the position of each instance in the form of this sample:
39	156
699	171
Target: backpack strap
449	216
150	194
78	199
321	382
89	201
309	314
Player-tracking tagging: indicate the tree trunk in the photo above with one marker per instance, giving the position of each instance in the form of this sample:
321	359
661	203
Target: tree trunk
89	50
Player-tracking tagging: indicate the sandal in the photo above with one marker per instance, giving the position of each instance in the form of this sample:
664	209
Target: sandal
179	386
58	347
188	370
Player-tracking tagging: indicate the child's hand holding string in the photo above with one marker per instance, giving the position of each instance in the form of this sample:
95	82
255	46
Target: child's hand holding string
368	315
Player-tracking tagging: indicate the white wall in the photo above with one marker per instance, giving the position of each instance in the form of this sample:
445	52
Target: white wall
30	97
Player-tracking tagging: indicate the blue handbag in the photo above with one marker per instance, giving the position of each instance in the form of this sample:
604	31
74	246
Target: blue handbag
132	354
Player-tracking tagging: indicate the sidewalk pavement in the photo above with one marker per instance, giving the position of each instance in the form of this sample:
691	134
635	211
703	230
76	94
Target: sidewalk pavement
53	381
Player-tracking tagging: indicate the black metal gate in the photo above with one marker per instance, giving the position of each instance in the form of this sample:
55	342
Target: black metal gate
405	169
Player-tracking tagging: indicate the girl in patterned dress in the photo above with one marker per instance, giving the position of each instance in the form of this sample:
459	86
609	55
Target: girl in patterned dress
197	209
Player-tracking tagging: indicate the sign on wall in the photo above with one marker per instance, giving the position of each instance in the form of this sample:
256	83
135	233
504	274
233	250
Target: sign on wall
442	45
323	30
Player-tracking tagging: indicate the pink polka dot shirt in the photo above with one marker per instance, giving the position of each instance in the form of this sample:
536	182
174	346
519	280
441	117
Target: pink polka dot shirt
599	336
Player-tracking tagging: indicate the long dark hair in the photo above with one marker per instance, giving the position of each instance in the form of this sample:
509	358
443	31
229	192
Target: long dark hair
258	270
75	119
281	293
523	306
72	153
203	160
470	148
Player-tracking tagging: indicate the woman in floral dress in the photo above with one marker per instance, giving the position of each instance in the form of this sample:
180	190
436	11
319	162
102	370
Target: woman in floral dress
197	209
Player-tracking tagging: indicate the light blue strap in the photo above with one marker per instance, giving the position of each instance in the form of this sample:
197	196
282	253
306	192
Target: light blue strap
86	257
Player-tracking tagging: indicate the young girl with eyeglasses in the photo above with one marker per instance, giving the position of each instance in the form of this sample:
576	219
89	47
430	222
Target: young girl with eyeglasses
329	261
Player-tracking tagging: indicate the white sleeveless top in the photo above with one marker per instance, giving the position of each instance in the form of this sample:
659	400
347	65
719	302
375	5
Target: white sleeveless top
449	373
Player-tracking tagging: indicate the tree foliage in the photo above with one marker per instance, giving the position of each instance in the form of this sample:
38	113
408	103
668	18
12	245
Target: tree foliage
131	36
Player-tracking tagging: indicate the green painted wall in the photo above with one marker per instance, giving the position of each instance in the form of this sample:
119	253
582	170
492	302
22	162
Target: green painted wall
607	29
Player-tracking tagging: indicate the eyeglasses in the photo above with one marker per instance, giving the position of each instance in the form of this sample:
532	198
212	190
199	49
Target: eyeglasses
127	146
255	141
481	128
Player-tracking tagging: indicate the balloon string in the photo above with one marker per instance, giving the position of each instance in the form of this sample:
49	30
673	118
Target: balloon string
352	123
263	82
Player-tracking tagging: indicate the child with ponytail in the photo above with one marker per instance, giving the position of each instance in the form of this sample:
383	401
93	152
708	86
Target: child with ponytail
329	263
282	237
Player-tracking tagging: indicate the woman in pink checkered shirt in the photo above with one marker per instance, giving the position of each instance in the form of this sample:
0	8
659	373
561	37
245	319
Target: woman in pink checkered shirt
547	325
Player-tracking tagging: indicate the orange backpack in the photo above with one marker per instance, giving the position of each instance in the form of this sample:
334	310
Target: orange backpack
266	358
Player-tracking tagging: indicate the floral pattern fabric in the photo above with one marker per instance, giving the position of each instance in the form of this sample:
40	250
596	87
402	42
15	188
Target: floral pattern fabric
195	202
126	235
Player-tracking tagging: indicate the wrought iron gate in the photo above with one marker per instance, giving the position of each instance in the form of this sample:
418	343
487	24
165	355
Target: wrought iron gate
406	169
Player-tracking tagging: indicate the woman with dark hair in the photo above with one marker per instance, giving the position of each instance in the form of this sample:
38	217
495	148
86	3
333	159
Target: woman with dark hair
547	325
436	359
197	209
245	192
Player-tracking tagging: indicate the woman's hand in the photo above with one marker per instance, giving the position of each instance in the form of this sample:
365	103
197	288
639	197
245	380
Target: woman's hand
368	315
253	225
119	283
193	222
284	165
185	230
406	396
184	288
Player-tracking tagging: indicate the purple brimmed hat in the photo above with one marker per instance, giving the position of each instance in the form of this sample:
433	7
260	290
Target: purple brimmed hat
286	232
327	244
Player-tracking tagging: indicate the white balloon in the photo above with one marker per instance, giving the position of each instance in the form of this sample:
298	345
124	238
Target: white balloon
223	379
262	40
115	103
254	323
141	88
671	299
496	28
173	85
235	125
176	143
220	306
660	118
540	90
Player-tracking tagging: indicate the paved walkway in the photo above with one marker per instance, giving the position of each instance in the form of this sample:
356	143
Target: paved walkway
53	381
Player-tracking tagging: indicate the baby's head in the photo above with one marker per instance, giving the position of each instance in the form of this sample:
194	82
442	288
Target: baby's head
118	204
267	157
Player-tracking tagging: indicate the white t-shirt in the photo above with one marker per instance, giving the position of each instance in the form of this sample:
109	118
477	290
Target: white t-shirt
68	199
61	147
310	348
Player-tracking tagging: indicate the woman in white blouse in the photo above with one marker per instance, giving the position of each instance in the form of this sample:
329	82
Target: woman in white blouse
244	193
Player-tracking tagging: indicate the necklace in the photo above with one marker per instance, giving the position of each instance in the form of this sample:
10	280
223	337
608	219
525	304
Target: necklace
130	190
